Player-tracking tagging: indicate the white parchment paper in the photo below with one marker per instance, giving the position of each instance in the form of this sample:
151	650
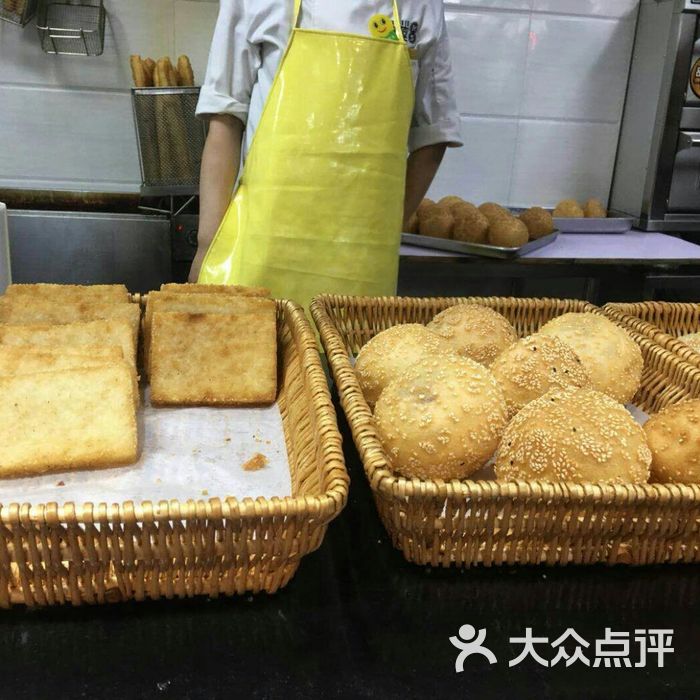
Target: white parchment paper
186	453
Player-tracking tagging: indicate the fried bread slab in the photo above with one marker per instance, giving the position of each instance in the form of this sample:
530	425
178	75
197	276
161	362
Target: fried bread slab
214	359
115	293
115	332
68	419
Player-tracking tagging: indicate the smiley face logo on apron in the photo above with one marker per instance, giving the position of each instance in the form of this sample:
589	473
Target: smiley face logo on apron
382	27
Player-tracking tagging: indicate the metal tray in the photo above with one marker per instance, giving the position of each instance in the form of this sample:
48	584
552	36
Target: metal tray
609	225
488	251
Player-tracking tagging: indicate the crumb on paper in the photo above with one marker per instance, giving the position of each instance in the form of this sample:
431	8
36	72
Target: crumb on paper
61	483
228	439
205	492
255	463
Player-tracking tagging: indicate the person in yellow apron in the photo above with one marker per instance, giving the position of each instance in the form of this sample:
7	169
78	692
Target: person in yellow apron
324	190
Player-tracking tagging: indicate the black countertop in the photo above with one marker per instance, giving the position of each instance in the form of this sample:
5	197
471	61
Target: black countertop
357	621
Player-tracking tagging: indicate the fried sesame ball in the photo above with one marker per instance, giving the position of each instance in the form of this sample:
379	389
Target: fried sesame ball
493	212
613	360
437	225
593	208
425	207
475	331
508	233
461	208
412	224
450	202
391	352
539	222
535	365
674	439
692	340
441	419
568	209
470	226
574	435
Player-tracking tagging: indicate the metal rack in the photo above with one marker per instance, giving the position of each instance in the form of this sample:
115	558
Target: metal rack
72	27
170	140
17	11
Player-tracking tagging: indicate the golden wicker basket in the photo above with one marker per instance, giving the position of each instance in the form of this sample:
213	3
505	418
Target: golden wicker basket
96	553
662	322
493	523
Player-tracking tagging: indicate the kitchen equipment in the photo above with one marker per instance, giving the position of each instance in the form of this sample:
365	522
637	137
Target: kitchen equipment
17	11
72	27
593	225
488	251
5	270
170	139
90	248
657	172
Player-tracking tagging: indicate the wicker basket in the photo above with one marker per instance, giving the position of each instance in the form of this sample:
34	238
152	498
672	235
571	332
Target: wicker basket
493	523
96	553
662	322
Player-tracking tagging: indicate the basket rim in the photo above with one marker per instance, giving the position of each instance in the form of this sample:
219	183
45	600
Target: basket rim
323	507
386	483
628	315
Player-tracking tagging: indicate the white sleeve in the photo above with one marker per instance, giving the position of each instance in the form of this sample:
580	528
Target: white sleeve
435	115
233	64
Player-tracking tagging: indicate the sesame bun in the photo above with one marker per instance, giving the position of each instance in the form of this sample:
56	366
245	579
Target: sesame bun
471	226
438	224
692	340
508	233
568	209
674	440
494	212
535	365
393	351
613	360
593	208
574	435
539	222
442	419
475	331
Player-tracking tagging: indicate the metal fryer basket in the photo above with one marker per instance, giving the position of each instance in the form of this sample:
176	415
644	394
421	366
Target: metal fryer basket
170	139
17	11
72	27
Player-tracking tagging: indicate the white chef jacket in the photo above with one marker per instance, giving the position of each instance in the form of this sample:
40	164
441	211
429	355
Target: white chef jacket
251	36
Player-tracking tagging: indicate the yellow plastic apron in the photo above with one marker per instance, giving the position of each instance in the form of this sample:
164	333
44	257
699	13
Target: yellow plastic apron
319	205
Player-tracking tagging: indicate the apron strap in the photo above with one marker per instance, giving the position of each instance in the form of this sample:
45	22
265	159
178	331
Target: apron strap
397	19
397	23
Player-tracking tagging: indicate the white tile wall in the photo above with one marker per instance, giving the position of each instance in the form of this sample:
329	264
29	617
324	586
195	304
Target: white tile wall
577	68
560	78
488	82
482	169
556	160
194	25
540	85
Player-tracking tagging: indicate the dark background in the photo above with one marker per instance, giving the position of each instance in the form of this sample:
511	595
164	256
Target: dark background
357	621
